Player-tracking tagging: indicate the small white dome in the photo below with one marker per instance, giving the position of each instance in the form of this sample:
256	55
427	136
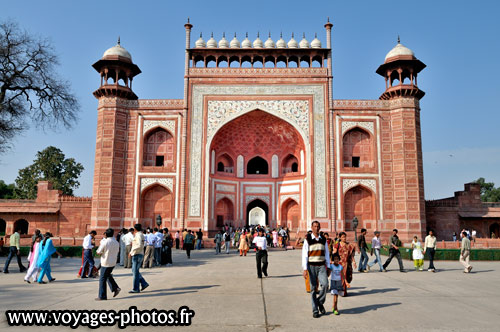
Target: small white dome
269	42
212	43
117	50
246	43
235	43
281	43
257	43
316	43
304	43
292	43
223	43
200	42
399	49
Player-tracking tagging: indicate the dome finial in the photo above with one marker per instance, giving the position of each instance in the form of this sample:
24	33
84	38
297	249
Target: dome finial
118	40
246	34
235	34
315	35
328	19
303	35
201	34
258	36
399	41
269	34
281	34
188	19
212	34
224	34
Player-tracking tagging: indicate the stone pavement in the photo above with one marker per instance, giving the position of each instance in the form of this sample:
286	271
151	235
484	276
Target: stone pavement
226	295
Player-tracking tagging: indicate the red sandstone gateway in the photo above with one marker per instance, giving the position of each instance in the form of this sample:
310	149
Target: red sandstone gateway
256	139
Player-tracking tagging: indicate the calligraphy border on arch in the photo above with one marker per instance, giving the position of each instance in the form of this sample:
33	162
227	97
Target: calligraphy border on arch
196	141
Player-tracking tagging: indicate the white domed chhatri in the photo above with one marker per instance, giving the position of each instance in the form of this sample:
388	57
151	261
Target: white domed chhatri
281	43
212	43
257	42
399	49
316	43
304	43
235	43
269	42
223	43
246	43
117	50
293	43
200	43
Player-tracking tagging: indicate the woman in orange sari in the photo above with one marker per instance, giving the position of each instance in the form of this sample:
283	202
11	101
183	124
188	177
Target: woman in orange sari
346	252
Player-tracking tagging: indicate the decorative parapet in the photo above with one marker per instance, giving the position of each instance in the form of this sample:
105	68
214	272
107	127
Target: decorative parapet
67	198
175	104
252	72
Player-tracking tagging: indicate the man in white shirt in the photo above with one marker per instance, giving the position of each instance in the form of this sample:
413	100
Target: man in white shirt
159	240
127	241
261	256
150	241
376	246
315	262
430	248
88	258
108	249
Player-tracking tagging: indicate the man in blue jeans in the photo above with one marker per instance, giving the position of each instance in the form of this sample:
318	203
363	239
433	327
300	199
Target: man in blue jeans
88	258
315	261
376	246
363	260
108	249
137	255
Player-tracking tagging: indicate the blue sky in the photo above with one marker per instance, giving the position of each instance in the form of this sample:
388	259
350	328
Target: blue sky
457	40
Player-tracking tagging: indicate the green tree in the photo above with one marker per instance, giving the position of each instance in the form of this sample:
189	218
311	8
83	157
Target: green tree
49	165
30	87
488	191
6	190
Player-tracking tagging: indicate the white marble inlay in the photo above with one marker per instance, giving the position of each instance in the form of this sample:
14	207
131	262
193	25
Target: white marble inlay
289	189
167	182
351	183
257	190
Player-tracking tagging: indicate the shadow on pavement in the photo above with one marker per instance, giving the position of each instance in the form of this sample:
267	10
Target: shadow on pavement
372	291
287	276
152	294
360	310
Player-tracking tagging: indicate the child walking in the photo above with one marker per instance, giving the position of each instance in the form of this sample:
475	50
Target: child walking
418	256
336	281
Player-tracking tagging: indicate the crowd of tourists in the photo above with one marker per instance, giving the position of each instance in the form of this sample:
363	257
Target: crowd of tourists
323	256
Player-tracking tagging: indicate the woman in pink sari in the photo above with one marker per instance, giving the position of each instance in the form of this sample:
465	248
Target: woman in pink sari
346	253
33	257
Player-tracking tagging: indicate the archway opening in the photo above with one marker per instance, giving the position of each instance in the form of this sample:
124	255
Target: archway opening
495	230
155	201
290	164
358	202
224	212
257	213
22	225
257	165
358	149
290	214
159	149
3	227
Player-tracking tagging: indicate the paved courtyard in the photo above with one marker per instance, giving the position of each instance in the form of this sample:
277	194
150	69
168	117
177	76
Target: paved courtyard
226	295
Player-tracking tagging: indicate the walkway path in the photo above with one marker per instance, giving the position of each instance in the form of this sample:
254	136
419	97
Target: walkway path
226	295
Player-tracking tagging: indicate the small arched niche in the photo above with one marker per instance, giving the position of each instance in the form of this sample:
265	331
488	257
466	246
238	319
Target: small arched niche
257	165
290	164
225	164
